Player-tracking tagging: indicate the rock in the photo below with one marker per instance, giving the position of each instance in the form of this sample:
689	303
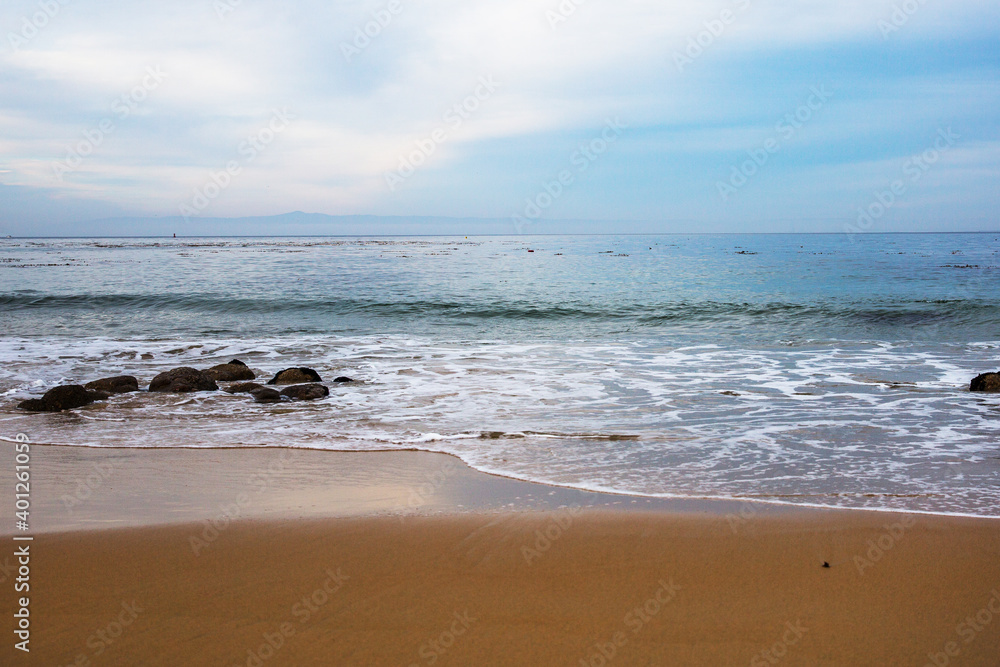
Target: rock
295	376
266	395
62	398
183	379
305	392
121	384
343	379
986	382
230	372
244	388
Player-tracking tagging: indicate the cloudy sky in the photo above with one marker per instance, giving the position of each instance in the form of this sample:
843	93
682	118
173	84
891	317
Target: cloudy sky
738	115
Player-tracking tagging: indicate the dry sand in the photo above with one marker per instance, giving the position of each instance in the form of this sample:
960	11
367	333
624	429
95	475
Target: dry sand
411	584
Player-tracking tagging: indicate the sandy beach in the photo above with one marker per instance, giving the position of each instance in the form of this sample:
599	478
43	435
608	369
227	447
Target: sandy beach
412	558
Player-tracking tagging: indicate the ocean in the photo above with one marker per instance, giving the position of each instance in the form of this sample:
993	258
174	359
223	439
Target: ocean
819	370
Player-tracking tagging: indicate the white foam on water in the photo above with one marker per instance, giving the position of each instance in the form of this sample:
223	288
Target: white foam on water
832	424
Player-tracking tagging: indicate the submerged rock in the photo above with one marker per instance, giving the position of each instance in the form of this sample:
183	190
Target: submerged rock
305	392
183	379
986	382
121	384
62	398
244	388
231	372
342	379
266	395
295	376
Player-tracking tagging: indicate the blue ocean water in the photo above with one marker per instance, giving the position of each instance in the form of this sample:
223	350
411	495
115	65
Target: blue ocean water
812	369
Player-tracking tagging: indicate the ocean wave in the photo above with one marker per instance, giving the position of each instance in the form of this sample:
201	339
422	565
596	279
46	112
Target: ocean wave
893	312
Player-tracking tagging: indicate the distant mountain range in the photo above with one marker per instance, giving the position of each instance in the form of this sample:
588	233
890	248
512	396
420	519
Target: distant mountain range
318	224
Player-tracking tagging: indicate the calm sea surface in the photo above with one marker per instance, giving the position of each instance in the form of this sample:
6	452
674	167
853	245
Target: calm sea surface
809	369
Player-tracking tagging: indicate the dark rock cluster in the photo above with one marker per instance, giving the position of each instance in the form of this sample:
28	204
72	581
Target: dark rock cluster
305	386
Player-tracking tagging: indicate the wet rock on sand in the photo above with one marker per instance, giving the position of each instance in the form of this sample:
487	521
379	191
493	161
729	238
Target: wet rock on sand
231	372
244	388
295	376
183	379
62	398
121	384
305	392
986	382
266	395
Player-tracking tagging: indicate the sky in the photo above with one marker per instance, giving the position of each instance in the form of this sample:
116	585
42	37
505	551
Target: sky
728	116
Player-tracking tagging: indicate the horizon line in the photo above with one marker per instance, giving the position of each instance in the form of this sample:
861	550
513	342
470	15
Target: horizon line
358	236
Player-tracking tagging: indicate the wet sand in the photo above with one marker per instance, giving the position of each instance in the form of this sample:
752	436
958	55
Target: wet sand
362	559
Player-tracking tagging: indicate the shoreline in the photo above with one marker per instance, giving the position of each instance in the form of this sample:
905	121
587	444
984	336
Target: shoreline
587	497
81	487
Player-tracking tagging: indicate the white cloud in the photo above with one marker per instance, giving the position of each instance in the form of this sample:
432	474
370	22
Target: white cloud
354	119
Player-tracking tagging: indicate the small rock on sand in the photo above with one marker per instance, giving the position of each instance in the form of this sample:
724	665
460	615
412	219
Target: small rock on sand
266	395
65	397
986	382
183	379
231	372
295	376
244	388
305	392
121	384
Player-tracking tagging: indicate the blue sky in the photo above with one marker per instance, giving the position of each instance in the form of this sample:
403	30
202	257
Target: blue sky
787	117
